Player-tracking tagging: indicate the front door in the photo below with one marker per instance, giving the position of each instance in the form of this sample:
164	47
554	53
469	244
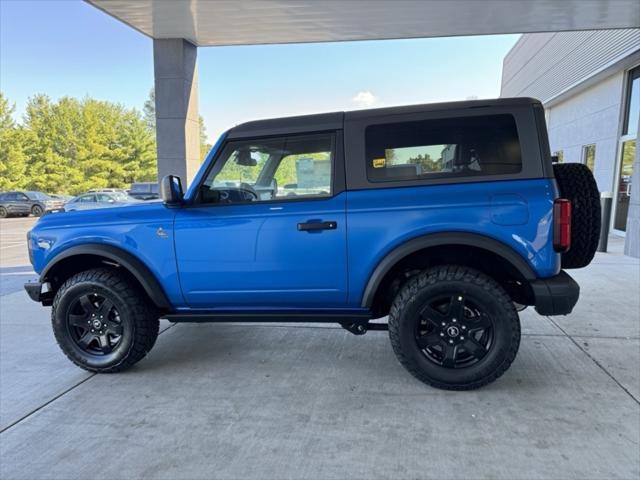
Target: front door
267	229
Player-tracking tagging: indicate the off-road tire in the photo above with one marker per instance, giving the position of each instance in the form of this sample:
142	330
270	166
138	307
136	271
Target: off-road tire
3	212
576	183
473	284
138	316
37	211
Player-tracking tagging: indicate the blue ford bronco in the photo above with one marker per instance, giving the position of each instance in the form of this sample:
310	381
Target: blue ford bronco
445	218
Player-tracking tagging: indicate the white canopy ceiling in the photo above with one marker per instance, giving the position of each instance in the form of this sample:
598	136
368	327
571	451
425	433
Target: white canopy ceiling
243	22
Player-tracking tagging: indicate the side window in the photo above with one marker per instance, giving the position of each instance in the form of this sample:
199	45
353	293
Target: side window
271	169
442	148
104	198
87	199
21	197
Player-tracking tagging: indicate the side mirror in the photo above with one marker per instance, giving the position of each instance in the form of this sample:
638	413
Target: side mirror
171	190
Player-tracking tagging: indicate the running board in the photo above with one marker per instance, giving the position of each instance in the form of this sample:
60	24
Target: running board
356	323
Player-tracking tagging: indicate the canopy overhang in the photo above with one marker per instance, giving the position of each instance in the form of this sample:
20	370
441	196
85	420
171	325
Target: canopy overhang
248	22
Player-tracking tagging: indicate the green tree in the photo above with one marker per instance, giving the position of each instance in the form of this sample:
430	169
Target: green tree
13	162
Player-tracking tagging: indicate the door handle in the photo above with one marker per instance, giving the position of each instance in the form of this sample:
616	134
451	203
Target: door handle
314	226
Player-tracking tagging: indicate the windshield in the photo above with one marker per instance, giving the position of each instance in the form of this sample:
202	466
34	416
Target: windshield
37	196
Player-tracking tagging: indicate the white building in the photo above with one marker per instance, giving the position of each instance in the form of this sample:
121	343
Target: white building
589	83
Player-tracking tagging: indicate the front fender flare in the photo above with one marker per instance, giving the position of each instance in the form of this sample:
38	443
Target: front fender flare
139	270
441	239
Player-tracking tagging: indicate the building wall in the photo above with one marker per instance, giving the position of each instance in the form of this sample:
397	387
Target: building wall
590	117
544	65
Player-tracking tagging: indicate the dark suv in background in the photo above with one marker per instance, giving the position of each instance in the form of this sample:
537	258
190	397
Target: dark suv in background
25	203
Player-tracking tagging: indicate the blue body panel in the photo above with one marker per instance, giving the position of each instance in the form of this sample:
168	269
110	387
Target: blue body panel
516	213
254	256
131	228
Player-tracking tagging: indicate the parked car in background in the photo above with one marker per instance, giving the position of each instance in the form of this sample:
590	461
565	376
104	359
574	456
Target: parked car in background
107	190
10	206
64	198
91	200
25	203
145	190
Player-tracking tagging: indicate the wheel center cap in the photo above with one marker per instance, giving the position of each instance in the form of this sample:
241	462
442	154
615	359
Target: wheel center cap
97	324
453	331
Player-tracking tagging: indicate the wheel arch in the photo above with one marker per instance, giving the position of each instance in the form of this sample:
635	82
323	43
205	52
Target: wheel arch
82	257
440	248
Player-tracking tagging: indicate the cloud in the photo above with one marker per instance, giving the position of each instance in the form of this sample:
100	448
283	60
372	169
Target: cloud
364	98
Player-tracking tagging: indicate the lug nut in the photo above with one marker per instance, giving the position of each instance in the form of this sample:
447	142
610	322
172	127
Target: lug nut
442	334
463	327
443	324
450	341
454	320
461	338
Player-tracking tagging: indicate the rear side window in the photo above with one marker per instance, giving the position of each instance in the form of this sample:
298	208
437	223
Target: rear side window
443	148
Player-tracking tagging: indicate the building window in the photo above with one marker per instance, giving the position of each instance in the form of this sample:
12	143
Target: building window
589	156
632	110
624	185
559	156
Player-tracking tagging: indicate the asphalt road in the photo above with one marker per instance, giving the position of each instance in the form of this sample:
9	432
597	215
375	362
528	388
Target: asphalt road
15	268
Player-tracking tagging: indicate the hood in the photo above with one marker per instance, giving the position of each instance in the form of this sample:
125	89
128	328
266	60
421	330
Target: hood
118	214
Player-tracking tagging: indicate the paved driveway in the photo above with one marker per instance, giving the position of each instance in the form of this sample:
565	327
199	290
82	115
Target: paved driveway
313	401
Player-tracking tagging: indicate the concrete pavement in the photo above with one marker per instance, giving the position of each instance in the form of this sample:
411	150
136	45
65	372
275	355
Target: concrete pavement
311	401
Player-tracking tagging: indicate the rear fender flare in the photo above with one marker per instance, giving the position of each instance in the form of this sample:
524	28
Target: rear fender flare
442	239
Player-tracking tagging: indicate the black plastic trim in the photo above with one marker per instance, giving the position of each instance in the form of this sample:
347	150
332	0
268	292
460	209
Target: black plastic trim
34	290
555	295
318	316
440	239
138	269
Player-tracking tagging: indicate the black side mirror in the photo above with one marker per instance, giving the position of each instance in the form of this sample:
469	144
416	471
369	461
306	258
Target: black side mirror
171	191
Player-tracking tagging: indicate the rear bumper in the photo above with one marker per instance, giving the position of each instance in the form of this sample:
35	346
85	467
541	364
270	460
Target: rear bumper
555	295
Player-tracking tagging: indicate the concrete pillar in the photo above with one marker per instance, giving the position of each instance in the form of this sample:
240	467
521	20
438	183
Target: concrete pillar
177	121
632	239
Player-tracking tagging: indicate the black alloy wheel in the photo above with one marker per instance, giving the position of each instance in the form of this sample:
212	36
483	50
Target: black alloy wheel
453	331
454	328
94	324
102	320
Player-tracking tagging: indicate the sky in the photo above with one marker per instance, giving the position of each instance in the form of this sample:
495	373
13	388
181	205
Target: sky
69	48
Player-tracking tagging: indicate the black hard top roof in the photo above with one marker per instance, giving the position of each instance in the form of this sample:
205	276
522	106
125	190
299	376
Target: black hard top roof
333	121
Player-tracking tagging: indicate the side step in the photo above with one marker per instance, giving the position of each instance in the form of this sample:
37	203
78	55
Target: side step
354	322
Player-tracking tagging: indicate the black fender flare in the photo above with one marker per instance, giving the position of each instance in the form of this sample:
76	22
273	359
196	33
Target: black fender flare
442	239
139	270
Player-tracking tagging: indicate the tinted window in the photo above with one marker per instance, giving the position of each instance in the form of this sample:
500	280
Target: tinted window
271	169
451	147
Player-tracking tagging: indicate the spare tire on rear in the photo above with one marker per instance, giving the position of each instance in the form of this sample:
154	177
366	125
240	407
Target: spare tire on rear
576	183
